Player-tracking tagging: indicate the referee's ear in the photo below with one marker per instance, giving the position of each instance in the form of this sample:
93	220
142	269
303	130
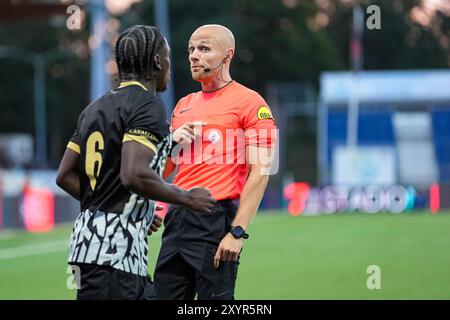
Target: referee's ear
229	56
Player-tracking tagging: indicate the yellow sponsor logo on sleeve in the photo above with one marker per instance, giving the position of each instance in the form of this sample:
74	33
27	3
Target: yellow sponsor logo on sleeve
264	113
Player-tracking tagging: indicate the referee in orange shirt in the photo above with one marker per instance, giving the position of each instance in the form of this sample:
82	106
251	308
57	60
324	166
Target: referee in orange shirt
229	153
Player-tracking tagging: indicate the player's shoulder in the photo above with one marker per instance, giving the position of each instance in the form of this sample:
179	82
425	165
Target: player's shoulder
88	111
144	96
131	96
145	101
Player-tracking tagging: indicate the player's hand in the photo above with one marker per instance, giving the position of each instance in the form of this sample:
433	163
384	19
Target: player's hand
200	200
188	132
156	223
228	250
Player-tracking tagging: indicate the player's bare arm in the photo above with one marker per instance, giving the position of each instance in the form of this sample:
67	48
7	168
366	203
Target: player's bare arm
138	177
68	178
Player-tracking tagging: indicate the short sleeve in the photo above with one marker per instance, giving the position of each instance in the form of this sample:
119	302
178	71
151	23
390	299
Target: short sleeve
147	124
75	140
258	123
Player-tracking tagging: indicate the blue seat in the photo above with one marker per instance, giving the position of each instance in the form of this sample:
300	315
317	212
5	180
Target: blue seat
441	134
374	128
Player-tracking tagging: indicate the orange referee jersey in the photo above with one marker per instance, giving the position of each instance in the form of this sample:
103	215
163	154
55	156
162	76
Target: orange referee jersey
235	117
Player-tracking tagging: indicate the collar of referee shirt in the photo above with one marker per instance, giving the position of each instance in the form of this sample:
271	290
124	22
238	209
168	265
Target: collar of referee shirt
228	82
132	83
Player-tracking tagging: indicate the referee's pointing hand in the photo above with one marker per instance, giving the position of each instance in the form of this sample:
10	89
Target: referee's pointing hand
188	132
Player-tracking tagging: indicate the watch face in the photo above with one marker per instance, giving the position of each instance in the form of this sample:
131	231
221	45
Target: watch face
238	232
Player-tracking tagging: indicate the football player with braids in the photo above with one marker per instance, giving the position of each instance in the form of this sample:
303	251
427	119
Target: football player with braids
113	165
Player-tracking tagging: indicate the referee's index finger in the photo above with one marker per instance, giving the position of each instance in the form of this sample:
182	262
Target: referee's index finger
217	257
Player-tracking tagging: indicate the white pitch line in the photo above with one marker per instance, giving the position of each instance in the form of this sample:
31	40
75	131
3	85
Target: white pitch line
33	249
52	246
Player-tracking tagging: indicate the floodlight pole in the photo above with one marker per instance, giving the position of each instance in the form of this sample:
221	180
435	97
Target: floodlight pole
356	61
99	49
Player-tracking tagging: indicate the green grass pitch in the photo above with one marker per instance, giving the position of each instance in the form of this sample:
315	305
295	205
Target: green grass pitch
305	257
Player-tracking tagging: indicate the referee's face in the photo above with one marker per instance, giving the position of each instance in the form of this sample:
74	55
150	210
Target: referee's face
205	56
163	76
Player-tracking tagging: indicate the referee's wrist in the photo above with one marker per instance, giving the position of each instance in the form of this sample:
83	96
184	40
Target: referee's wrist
238	232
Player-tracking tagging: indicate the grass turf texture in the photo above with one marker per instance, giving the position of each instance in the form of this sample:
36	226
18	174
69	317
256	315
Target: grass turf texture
320	257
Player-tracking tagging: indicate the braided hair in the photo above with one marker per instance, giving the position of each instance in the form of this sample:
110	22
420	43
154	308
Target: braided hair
135	50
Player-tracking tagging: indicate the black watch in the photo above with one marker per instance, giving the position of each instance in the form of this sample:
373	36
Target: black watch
238	232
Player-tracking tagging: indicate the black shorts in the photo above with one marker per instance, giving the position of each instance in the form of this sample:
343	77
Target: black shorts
185	266
106	283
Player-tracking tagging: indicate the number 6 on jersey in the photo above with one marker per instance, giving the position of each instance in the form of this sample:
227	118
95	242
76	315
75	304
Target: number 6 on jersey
94	144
